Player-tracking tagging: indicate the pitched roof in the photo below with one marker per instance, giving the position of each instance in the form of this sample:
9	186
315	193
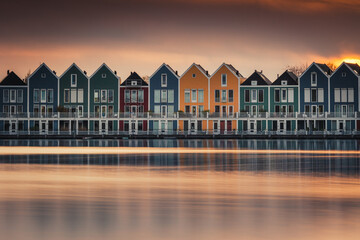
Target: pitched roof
324	68
106	67
171	69
47	68
203	70
234	70
354	67
12	80
288	76
167	66
259	77
134	77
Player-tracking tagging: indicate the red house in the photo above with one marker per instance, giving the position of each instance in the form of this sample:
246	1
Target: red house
134	103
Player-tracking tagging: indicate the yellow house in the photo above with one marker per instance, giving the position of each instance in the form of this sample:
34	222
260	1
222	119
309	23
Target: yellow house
194	98
224	97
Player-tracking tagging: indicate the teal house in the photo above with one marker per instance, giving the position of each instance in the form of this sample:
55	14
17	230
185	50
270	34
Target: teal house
104	95
284	93
73	99
254	102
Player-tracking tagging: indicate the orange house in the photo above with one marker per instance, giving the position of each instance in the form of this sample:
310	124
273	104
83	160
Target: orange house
194	98
224	97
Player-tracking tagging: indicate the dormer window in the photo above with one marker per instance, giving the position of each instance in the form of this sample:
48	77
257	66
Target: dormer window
43	75
73	80
133	83
313	79
163	80
103	75
253	83
194	75
223	80
283	82
343	74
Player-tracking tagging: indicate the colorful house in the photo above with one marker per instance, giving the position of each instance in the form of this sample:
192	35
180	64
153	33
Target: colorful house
134	102
74	100
43	100
314	86
104	95
194	98
344	97
13	103
284	104
224	97
254	102
164	98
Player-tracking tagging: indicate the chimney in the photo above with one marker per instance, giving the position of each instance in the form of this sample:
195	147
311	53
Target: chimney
176	72
85	72
207	73
237	73
261	71
54	72
115	73
277	75
8	72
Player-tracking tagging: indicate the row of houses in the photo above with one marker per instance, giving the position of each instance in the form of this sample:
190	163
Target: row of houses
318	100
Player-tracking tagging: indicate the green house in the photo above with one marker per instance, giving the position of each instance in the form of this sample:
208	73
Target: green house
73	99
104	100
284	103
254	103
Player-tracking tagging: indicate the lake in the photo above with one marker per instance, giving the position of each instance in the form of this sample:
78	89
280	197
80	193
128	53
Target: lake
180	189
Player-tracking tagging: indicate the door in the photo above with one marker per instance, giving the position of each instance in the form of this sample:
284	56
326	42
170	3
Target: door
341	125
133	126
13	127
43	127
103	128
163	111
252	126
222	126
344	110
314	110
216	127
281	126
193	126
229	126
163	126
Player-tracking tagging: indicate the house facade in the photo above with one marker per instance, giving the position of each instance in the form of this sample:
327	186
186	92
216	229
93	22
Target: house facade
254	102
164	98
284	93
104	95
43	99
134	103
13	103
314	86
194	98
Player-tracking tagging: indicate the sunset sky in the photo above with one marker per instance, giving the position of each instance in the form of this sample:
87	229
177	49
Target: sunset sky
139	35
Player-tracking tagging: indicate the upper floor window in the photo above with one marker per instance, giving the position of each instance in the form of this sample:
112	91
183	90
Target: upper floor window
6	95
133	96
73	80
96	96
80	95
12	95
163	80
261	95
133	83
194	75
217	95
111	96
50	95
163	96
187	96
141	96
67	96
283	82
103	75
170	96
223	96
313	79
254	83
343	74
127	96
253	95
157	96
247	95
231	96
36	96
43	75
193	95
20	96
43	95
103	96
223	80
283	95
277	95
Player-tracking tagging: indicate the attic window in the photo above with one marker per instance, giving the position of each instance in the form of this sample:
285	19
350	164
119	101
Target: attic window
253	83
194	75
133	83
343	74
43	75
284	82
103	75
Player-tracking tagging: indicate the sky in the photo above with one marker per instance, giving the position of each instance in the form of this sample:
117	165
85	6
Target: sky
140	35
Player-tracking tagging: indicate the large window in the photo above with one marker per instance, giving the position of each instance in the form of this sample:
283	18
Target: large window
36	95
313	79
247	95
66	95
343	95
187	96
350	95
314	95
253	95
133	96
103	96
307	95
157	96
50	95
223	80
163	80
223	96
193	95
96	96
277	95
127	96
261	95
80	95
19	109
111	96
73	80
337	94
141	96
170	96
217	95
163	96
12	95
231	96
283	95
43	95
320	95
6	95
201	95
290	95
73	96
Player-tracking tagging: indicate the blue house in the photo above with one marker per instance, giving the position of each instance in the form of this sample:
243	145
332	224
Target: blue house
43	99
164	98
314	96
13	103
344	97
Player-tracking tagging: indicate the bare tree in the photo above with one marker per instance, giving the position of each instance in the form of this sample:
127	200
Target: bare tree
297	69
27	76
332	66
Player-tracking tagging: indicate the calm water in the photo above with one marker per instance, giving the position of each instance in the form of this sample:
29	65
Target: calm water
169	195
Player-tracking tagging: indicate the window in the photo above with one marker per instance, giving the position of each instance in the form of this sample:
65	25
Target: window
291	108
36	108
133	83
283	82
283	95
194	75
337	94
141	109
201	108
187	109
277	95
314	95
163	96
307	95
313	79
217	95
321	109
247	95
343	95
351	108
201	95
103	75
133	96
261	95
127	96
231	110
111	96
127	108
157	109
290	95
223	96
187	96
171	96
19	109
193	95
96	96
283	109
43	95
12	95
73	80
350	95
253	95
157	96
73	96
170	110
50	110
217	108
50	95
43	75
231	95
277	108
103	96
6	96
223	80
140	96
163	80
80	95
320	95
12	109
343	74
307	108
80	110
66	95
253	83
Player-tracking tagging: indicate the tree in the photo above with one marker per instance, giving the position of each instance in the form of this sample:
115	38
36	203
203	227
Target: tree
27	76
297	69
